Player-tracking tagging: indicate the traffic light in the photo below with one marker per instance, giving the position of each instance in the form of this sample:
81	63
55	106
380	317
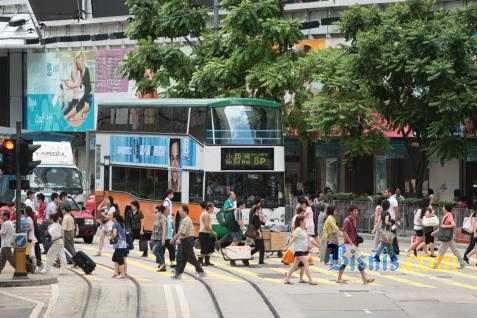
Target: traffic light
8	153
7	156
27	148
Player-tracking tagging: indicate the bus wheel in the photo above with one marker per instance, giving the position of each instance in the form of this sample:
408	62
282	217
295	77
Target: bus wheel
88	239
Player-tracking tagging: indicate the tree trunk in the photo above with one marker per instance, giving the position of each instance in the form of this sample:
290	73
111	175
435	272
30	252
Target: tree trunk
420	163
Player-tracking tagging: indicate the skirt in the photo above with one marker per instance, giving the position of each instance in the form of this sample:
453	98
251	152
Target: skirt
207	243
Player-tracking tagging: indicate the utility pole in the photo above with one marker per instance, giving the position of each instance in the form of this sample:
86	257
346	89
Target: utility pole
216	15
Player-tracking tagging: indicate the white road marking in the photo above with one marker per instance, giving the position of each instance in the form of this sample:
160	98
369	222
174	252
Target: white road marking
38	304
171	308
348	295
367	311
53	300
183	302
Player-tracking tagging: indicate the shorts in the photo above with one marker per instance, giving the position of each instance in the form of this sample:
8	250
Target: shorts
428	238
298	254
419	233
119	255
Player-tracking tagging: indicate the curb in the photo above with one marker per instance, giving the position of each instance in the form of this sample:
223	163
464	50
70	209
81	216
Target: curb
19	282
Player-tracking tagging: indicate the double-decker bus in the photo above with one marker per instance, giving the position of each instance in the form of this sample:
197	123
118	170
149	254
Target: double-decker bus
200	148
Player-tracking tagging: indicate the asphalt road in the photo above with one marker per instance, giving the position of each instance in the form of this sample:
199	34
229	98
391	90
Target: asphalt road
413	290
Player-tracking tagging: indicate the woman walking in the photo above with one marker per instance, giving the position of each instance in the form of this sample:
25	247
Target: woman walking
299	242
206	235
331	234
31	235
107	208
428	230
257	222
158	237
169	244
447	237
118	240
418	227
185	238
57	246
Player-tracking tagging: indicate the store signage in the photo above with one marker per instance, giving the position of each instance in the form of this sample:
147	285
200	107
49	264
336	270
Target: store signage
247	159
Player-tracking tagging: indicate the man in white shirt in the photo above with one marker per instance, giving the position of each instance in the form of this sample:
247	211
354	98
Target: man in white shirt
30	200
52	207
7	234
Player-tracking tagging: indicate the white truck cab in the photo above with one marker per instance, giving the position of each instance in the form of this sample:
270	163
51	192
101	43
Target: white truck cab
57	171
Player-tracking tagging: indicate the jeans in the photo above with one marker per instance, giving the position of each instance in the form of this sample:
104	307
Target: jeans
390	250
185	254
471	246
171	249
158	250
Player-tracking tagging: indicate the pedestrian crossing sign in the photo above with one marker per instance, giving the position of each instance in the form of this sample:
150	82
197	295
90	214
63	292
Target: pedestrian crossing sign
20	240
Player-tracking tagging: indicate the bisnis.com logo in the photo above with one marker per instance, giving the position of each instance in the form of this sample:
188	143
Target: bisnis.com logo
354	261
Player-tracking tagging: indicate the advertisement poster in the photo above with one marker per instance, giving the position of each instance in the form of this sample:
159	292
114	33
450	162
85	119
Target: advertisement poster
155	151
60	91
64	87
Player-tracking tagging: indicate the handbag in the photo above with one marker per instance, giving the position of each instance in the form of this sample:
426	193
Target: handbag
252	232
430	222
114	240
445	235
288	257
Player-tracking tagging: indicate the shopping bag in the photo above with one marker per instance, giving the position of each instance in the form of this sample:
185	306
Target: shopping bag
288	257
467	225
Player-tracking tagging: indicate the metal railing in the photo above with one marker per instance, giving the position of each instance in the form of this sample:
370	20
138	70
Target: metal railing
366	215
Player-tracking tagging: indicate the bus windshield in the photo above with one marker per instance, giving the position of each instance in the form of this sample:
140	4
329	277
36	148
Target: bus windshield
55	178
245	125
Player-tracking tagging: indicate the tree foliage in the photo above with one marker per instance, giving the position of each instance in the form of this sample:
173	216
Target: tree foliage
251	54
414	65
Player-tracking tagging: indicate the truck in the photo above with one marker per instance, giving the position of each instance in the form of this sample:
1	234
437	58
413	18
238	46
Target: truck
57	171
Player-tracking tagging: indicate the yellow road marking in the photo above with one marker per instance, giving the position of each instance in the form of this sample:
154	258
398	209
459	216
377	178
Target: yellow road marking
296	275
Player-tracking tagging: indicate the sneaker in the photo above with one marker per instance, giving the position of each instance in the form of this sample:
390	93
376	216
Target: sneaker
176	277
161	268
44	270
466	260
172	265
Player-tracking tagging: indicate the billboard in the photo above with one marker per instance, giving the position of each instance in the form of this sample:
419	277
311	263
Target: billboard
63	87
154	151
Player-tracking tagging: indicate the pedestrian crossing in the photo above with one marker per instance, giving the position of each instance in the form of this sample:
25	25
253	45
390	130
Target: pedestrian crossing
413	272
176	299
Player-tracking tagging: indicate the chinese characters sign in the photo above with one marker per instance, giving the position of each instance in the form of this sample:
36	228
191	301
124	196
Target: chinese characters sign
247	159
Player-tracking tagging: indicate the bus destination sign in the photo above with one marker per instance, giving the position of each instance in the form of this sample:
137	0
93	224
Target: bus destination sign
247	159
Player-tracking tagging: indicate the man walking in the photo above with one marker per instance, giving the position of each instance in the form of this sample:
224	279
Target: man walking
352	240
7	235
69	229
395	217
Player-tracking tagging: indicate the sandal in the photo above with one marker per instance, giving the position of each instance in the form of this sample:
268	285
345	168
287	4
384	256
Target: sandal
313	283
302	281
115	275
287	282
343	281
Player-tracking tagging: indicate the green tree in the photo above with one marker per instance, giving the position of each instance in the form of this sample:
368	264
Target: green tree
251	55
415	64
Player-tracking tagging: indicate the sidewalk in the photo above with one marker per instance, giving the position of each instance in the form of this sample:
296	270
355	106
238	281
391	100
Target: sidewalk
7	280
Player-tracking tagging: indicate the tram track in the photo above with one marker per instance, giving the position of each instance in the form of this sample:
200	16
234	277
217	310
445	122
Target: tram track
88	301
88	295
212	294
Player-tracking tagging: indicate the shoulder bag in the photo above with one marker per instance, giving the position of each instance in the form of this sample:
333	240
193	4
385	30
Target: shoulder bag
252	232
430	222
445	234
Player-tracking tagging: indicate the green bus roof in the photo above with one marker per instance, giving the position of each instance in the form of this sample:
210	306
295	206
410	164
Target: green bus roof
188	102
